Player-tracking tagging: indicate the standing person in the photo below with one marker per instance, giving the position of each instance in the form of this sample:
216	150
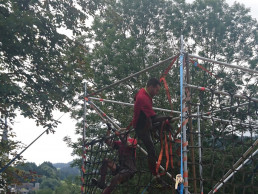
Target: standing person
125	169
143	118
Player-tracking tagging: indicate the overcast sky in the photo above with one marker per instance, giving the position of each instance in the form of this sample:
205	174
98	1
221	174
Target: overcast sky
51	147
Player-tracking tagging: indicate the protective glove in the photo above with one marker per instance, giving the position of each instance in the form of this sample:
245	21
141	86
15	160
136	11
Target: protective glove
109	126
158	118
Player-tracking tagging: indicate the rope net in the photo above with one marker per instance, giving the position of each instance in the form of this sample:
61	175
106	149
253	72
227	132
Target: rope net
228	129
228	113
221	157
141	182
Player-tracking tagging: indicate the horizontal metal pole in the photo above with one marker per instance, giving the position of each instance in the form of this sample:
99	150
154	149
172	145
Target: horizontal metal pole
220	92
102	117
119	129
227	121
174	118
133	75
226	108
130	104
223	63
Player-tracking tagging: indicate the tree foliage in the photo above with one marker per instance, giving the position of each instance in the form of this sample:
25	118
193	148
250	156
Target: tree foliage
41	68
128	36
51	179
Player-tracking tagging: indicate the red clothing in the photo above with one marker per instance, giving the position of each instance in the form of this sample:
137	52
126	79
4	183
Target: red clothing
127	154
143	102
125	149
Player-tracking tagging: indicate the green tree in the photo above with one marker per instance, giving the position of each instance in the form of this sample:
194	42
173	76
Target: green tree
49	183
130	35
41	68
47	169
44	191
127	38
69	186
228	34
28	166
8	147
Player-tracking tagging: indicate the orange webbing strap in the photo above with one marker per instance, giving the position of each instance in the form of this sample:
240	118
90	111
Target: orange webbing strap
195	63
178	151
161	149
185	175
167	91
167	155
184	122
162	78
170	153
164	74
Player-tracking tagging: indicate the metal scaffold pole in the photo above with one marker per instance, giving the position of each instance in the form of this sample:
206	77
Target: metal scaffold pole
242	161
133	75
200	147
221	92
184	171
131	104
224	64
190	124
118	128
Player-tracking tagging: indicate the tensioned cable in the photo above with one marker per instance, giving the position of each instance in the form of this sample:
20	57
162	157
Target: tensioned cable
235	166
131	104
223	63
18	155
133	75
220	92
118	128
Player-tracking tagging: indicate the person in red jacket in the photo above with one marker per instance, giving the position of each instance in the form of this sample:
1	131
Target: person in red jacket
144	116
122	171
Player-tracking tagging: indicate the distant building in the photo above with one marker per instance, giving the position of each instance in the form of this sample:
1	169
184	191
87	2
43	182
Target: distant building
24	188
23	191
36	186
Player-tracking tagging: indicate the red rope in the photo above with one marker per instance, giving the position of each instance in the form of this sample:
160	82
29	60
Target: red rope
161	149
195	63
170	146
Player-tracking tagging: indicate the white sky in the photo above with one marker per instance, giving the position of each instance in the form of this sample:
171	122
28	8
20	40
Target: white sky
51	147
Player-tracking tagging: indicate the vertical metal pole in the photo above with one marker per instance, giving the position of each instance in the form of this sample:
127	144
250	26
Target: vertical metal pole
190	125
84	136
200	147
183	121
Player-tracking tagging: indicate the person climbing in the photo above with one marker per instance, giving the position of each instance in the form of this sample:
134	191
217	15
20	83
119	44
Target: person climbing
125	169
144	117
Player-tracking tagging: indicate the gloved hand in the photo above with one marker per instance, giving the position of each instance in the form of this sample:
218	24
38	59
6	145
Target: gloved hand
158	118
109	126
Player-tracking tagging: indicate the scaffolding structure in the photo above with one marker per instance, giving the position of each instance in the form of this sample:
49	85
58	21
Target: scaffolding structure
193	139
